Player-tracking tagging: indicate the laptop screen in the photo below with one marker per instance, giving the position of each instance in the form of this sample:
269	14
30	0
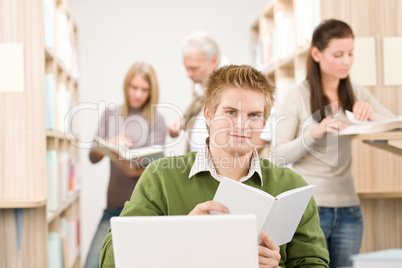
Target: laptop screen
185	241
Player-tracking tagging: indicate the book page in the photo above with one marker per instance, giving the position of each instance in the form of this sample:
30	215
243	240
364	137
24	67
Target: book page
351	118
285	214
151	153
372	127
293	191
240	198
106	149
355	121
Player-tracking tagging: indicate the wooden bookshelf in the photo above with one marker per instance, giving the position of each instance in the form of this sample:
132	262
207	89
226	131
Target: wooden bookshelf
380	194
387	141
25	215
377	161
21	203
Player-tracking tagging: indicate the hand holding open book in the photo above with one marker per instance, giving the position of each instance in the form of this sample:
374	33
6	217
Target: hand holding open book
277	216
118	151
362	127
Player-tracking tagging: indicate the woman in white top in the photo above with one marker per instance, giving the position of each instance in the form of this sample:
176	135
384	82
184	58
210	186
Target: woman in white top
308	115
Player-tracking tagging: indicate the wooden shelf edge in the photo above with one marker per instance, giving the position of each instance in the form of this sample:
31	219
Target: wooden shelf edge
268	10
379	194
77	260
269	70
54	214
22	203
55	134
303	50
71	138
391	135
255	26
284	62
49	54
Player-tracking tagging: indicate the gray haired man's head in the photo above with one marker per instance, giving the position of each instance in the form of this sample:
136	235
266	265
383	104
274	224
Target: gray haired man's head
200	41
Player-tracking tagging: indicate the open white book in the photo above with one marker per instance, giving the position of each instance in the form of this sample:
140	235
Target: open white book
362	127
390	258
144	155
276	216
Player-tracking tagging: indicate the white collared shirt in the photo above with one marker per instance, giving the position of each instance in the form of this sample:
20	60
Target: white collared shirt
203	162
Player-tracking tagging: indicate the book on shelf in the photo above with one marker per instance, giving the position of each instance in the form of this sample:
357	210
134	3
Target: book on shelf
144	155
63	117
55	250
52	174
257	56
50	108
69	231
390	258
364	127
282	84
277	216
285	32
64	158
48	16
72	184
308	16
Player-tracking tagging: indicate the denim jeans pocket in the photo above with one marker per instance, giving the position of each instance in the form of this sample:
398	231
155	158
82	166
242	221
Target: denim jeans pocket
355	213
323	210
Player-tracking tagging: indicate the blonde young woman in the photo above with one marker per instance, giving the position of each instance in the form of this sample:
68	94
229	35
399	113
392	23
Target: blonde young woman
136	124
308	116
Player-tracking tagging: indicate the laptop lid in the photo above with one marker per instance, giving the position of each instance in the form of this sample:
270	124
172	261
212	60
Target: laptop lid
185	241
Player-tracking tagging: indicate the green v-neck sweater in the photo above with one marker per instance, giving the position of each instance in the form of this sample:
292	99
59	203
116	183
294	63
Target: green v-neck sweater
165	189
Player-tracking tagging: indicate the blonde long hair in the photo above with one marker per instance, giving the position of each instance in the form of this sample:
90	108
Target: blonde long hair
146	71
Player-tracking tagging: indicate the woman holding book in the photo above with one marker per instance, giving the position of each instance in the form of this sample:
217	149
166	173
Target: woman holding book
134	124
308	117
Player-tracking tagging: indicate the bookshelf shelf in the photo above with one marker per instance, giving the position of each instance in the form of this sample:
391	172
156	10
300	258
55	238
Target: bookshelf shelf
76	262
21	203
392	135
269	9
387	141
379	194
55	134
280	41
49	54
51	216
303	50
287	62
270	70
41	167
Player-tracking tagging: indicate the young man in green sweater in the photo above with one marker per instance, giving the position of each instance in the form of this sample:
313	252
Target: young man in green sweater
237	104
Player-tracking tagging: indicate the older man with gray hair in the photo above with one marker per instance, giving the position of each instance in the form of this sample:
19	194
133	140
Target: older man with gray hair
201	56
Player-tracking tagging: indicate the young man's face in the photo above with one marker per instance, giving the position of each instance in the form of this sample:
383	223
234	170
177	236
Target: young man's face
236	125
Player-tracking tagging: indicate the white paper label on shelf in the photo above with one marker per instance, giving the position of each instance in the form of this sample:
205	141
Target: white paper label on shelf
364	68
392	49
11	67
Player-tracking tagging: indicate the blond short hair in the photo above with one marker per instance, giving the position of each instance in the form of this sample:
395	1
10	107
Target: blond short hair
237	76
146	71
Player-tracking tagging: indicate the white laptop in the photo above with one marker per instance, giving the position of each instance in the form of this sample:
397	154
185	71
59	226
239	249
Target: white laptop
185	241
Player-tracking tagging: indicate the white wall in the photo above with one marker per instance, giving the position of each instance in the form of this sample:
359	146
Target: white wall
114	34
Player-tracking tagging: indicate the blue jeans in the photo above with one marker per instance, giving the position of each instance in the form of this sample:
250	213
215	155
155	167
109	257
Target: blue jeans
343	230
93	256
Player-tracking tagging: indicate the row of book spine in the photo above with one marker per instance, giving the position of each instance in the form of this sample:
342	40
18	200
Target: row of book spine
57	106
291	30
62	178
56	20
63	246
